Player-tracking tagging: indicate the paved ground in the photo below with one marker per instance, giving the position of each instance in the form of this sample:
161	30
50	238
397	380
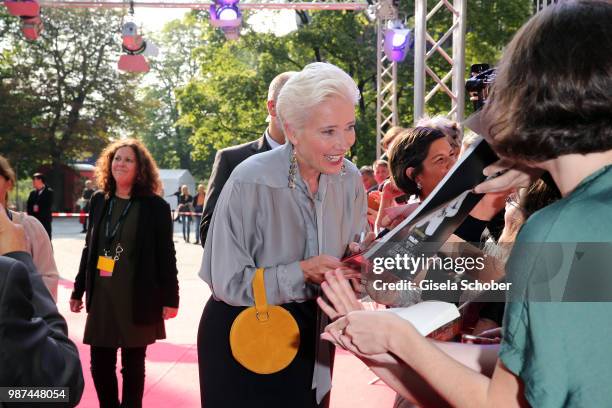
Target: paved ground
172	374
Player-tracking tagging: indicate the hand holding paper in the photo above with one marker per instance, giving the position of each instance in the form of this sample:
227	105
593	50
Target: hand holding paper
392	216
364	332
511	176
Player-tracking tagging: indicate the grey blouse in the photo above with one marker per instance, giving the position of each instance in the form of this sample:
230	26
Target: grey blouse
260	222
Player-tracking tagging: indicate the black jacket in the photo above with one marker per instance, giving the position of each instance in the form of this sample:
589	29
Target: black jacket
35	350
44	200
156	274
226	161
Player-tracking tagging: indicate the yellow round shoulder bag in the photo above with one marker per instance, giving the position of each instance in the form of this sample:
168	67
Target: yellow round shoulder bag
264	339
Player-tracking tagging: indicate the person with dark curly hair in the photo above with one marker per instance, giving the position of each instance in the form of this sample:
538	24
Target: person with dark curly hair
550	109
128	269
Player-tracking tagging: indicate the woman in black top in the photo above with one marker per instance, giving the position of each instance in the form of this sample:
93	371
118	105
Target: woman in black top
185	205
128	269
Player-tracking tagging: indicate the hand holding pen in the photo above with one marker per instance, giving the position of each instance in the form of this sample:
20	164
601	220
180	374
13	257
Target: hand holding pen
362	241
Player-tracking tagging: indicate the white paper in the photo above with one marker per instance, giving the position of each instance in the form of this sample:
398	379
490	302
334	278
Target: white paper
427	316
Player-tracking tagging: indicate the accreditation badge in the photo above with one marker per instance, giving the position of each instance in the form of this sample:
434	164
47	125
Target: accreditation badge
106	264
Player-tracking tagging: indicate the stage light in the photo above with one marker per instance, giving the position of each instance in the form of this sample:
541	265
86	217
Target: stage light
398	41
20	8
31	27
226	15
135	48
29	12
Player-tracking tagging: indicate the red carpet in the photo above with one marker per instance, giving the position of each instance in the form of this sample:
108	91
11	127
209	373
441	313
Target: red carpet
172	371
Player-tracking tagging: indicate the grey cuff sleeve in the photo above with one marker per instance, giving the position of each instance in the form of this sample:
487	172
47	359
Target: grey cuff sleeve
291	285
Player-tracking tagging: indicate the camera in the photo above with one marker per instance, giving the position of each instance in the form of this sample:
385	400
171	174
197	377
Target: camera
482	76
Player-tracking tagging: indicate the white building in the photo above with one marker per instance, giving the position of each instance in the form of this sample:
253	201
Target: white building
172	180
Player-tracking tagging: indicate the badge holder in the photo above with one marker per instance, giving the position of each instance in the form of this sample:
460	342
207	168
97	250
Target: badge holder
106	263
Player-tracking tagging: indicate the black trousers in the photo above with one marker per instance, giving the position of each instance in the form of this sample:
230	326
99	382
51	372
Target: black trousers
224	383
103	366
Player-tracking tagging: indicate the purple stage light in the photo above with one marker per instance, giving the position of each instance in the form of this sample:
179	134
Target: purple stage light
226	15
398	41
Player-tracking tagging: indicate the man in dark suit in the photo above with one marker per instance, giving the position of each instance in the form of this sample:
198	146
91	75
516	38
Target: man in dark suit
86	196
40	202
227	159
35	350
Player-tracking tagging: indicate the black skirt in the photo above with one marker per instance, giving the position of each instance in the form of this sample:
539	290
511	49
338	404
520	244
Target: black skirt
224	383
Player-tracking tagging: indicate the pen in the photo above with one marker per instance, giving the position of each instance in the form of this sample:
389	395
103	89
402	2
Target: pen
382	233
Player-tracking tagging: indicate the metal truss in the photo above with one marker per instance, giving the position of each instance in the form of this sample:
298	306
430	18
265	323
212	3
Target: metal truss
426	46
385	10
386	75
386	70
341	5
542	4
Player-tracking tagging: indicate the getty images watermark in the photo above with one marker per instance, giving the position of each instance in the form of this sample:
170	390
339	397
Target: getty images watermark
453	267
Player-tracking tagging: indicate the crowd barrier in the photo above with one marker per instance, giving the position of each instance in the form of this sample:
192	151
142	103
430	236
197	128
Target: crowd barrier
68	215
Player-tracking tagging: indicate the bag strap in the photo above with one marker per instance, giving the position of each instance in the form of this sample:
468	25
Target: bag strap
259	293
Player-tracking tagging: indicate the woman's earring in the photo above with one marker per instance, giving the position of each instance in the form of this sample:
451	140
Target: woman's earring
343	169
419	186
292	170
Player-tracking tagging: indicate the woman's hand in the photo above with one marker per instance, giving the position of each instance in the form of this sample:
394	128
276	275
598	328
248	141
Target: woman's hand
513	178
314	268
491	336
367	333
488	326
393	216
490	205
340	294
356	247
169	312
389	193
76	305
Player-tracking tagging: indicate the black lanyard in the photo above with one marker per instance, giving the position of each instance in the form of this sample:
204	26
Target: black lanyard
111	235
8	214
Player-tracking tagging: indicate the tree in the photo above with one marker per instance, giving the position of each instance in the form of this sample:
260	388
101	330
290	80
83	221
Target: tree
224	104
165	137
63	96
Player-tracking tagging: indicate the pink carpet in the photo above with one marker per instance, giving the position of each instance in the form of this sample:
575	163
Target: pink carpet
172	371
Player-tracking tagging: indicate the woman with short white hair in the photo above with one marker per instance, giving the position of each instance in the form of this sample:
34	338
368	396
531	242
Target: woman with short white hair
291	211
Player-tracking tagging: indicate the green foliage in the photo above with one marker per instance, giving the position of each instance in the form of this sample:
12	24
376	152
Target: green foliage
160	130
61	96
225	104
18	197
